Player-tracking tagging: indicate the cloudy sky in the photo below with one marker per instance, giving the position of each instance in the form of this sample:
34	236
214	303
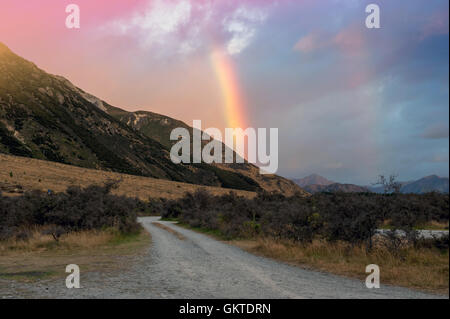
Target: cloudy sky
350	102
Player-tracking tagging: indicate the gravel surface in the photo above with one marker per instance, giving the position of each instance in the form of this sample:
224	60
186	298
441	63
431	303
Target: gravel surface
201	267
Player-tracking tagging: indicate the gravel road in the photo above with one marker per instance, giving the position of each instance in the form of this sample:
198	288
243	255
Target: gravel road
201	267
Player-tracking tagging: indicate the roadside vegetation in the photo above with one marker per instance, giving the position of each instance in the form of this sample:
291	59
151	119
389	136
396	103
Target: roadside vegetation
41	257
40	233
334	232
77	209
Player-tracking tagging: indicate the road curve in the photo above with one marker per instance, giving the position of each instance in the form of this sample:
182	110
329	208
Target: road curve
198	266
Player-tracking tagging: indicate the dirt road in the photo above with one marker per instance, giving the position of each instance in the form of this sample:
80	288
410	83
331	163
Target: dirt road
196	266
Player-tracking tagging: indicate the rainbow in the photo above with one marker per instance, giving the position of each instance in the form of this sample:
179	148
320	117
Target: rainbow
233	103
234	110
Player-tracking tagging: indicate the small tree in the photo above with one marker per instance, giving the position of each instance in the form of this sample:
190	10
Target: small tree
55	231
390	186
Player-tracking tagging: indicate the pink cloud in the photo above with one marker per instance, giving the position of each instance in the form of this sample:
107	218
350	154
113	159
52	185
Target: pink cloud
31	25
308	43
349	40
436	25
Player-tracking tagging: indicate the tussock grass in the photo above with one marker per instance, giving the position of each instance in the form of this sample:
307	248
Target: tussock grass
435	225
34	174
72	241
418	268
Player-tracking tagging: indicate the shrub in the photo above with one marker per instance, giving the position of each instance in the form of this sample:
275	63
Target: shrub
77	209
441	243
347	217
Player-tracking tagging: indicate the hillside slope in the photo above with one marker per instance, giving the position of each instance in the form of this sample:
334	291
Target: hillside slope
42	116
427	184
20	174
46	117
312	179
158	127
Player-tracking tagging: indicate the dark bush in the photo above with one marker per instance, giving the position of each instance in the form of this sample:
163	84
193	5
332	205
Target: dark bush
441	243
349	217
77	209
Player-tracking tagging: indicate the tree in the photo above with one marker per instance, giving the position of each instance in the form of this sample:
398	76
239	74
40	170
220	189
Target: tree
390	186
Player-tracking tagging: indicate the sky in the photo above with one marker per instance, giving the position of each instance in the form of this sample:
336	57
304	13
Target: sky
349	102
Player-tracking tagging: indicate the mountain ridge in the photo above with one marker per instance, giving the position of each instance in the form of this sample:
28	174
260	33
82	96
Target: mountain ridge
159	127
313	179
423	185
45	116
427	184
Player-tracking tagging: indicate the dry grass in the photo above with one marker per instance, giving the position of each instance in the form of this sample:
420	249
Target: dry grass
435	225
431	225
41	256
423	269
170	230
43	175
38	242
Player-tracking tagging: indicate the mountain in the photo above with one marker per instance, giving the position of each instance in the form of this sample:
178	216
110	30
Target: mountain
46	117
335	187
158	127
43	116
312	179
315	184
427	184
432	183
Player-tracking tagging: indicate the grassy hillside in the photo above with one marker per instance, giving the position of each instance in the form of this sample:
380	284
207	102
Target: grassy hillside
46	117
18	174
159	127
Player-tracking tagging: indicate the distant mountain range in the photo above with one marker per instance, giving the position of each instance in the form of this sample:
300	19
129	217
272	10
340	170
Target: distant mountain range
315	183
335	187
312	179
432	183
45	116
